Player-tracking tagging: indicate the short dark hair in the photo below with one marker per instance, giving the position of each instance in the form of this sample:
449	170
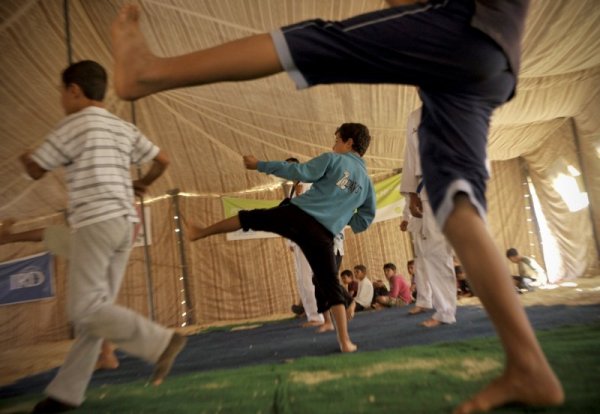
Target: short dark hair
512	252
389	266
410	262
293	159
90	76
359	134
360	267
346	272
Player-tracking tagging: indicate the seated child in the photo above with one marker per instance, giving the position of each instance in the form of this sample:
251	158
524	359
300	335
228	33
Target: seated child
349	283
410	267
364	294
530	272
399	294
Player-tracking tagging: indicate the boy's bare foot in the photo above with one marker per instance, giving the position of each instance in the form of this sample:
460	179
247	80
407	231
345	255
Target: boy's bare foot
537	387
133	60
350	311
431	323
309	324
326	327
416	310
107	361
165	362
347	346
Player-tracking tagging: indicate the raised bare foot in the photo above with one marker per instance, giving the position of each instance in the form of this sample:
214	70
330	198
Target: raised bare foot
431	323
347	346
133	60
416	310
165	362
326	327
537	387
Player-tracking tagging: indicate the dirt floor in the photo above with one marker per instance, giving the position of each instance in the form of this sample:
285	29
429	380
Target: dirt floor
29	360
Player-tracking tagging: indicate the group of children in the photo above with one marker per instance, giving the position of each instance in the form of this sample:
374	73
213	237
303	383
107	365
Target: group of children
463	55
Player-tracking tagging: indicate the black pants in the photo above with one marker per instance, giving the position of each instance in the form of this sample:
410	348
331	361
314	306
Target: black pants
312	237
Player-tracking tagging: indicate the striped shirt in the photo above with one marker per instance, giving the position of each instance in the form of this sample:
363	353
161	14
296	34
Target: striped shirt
96	148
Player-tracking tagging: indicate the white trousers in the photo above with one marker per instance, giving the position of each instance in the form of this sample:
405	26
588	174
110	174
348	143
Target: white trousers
437	268
306	288
97	263
421	280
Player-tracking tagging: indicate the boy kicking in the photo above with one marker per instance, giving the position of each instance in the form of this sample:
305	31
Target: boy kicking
342	194
465	58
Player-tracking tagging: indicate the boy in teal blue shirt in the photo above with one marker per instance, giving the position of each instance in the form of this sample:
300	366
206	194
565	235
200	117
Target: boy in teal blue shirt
342	194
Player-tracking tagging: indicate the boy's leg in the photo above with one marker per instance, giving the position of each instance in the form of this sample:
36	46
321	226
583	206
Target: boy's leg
224	226
139	73
97	261
327	325
341	324
527	377
402	45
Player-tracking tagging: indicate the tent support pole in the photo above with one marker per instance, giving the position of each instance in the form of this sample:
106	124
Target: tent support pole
189	318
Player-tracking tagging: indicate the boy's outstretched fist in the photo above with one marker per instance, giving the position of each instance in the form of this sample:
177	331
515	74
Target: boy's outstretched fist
250	162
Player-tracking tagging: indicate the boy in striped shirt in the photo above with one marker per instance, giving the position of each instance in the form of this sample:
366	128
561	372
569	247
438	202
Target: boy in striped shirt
97	148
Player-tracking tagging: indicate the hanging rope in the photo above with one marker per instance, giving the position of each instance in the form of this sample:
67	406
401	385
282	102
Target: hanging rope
68	32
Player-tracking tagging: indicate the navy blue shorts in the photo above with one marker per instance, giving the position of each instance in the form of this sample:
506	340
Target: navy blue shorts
463	75
315	241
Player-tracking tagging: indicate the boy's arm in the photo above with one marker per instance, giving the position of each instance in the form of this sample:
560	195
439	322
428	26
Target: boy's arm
308	172
364	214
159	165
32	168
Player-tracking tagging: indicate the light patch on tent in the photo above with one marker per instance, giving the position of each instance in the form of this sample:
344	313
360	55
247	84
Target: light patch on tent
215	385
469	369
410	365
476	368
317	377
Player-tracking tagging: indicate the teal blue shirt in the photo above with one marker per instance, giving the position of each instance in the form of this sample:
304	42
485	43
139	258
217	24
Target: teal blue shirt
342	193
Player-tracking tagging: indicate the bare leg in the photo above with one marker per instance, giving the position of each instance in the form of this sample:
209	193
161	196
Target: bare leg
6	236
225	226
339	316
165	362
527	376
107	359
139	73
327	325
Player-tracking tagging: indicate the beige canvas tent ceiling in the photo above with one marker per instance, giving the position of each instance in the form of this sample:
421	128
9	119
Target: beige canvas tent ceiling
205	130
553	122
